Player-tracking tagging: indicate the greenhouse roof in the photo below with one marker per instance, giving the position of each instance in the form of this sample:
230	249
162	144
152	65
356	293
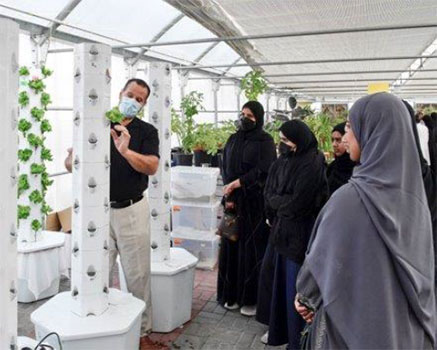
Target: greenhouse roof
311	47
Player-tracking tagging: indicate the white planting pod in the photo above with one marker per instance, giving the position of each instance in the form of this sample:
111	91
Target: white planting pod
91	169
159	185
9	32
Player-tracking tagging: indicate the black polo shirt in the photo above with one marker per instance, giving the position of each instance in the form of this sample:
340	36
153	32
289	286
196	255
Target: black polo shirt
126	182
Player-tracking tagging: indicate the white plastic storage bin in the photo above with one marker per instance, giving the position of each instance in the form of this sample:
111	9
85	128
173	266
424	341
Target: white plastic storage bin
202	244
193	182
196	215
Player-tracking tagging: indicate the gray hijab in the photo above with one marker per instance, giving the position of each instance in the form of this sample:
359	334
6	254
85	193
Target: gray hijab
390	270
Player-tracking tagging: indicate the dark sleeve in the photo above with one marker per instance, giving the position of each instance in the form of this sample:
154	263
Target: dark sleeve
150	142
258	174
307	289
304	193
269	193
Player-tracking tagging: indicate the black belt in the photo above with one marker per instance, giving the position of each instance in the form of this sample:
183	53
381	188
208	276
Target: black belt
126	203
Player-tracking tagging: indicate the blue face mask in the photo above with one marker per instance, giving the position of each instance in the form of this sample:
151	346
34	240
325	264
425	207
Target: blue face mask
129	107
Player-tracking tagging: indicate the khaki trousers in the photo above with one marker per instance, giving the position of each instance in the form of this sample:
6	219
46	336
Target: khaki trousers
130	237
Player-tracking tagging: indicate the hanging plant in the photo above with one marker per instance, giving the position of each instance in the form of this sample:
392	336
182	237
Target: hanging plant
253	85
33	179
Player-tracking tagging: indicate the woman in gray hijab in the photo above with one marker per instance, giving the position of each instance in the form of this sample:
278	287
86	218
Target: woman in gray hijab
368	277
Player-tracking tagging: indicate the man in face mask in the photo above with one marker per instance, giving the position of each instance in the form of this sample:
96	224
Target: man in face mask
134	156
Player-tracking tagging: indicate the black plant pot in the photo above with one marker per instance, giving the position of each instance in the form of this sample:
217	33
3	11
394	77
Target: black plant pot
183	159
201	157
217	160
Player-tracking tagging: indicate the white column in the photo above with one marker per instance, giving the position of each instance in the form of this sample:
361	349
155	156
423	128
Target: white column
238	95
215	89
91	149
268	106
159	104
9	33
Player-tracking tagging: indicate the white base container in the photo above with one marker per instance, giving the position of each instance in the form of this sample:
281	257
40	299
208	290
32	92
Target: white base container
199	216
26	343
202	244
39	267
172	290
117	328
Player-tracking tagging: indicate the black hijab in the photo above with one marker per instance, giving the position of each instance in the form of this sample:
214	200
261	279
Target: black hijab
300	134
233	167
341	169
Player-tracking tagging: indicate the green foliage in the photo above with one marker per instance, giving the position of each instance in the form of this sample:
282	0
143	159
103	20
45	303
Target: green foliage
24	71
23	212
273	129
184	128
45	208
35	141
23	184
46	154
253	85
46	72
23	99
204	138
224	132
37	85
36	169
24	154
45	99
45	126
36	197
45	181
37	113
36	225
24	126
114	115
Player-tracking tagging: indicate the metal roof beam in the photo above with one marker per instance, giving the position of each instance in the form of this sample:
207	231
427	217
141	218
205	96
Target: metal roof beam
281	35
345	80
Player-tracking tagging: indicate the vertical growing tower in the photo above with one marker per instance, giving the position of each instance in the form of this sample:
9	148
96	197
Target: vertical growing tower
91	163
8	179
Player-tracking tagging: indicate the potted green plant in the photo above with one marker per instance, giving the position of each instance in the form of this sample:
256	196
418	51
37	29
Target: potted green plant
184	126
253	85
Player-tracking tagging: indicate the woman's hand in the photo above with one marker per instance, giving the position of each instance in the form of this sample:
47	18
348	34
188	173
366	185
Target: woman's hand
229	205
306	314
228	189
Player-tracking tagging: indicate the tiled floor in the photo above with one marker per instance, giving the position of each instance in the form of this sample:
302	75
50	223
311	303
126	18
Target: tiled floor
212	327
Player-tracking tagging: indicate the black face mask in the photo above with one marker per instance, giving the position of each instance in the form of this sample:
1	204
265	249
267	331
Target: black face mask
246	124
284	149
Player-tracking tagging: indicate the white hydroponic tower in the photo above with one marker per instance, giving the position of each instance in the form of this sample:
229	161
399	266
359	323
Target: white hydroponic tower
9	32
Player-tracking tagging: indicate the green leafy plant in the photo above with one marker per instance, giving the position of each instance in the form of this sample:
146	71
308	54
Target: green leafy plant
24	154
23	99
23	184
114	115
37	85
272	128
36	169
45	126
45	181
24	71
45	209
184	126
37	113
46	72
253	85
46	154
36	197
45	99
204	138
24	126
23	212
35	141
36	225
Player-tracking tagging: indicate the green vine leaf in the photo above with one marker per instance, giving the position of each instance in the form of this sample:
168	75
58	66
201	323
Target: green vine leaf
23	212
23	99
37	85
24	71
36	197
36	225
23	184
45	209
24	126
46	72
46	154
24	154
36	169
114	115
45	99
45	181
35	141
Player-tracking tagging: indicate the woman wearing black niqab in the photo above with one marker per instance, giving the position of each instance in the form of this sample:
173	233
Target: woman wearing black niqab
368	275
247	157
341	168
295	191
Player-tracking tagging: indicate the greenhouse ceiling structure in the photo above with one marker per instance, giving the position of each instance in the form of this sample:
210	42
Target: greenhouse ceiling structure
311	48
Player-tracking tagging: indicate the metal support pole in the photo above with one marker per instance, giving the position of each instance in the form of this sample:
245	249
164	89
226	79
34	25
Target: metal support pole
91	169
215	89
238	93
159	105
268	106
9	36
